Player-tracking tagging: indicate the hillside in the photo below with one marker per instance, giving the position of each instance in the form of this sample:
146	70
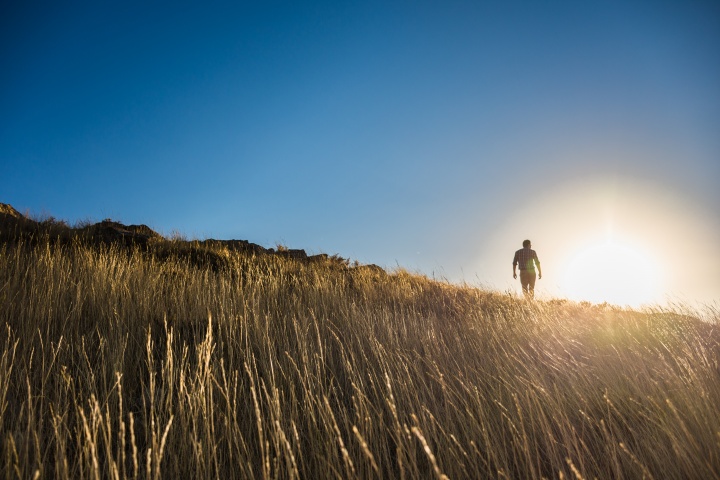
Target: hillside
128	355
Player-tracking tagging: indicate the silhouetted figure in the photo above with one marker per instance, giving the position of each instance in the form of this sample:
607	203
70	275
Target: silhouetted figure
527	260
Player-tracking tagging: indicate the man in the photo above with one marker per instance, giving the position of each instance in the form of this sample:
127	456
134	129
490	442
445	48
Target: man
527	259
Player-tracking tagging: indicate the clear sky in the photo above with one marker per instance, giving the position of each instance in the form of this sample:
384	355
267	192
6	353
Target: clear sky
433	135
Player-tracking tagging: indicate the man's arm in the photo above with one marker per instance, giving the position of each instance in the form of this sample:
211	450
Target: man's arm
537	262
515	262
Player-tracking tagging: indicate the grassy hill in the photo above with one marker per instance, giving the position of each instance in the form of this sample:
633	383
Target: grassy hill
127	355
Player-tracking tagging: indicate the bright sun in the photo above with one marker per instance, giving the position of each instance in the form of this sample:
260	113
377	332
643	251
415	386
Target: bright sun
614	273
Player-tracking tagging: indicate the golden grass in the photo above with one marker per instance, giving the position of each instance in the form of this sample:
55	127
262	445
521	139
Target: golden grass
117	364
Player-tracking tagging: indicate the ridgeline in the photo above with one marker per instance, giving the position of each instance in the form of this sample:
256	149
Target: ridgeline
211	253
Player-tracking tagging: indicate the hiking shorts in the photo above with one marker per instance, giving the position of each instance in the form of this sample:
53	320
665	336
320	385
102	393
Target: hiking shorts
527	280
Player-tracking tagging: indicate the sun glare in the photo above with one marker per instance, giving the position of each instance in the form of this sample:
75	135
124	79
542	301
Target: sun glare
614	273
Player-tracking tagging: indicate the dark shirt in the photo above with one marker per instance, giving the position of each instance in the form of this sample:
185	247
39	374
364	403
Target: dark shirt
526	259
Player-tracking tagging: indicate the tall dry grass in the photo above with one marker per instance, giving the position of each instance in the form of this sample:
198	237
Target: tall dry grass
115	364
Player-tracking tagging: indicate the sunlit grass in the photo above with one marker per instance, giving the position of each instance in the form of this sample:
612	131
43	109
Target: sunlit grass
118	363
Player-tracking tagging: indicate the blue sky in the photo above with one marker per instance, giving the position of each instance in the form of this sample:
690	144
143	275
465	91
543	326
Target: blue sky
431	135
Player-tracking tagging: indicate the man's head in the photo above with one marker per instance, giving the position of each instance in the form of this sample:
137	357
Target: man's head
526	244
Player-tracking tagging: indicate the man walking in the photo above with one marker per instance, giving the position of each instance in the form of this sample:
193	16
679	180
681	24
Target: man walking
527	259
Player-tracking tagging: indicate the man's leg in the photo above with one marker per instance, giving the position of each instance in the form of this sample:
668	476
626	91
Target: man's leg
531	284
527	280
524	282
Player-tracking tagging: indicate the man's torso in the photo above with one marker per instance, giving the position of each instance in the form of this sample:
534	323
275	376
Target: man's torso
526	258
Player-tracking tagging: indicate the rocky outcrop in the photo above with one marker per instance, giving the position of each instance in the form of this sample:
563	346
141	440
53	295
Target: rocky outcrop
370	270
109	231
8	211
235	246
198	252
292	253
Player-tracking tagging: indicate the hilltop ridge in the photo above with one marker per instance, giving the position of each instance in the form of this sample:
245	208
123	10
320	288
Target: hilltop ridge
15	226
